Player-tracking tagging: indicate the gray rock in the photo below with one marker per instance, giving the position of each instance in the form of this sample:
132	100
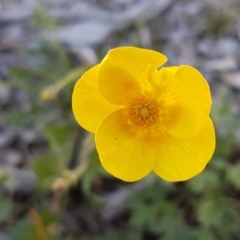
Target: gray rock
223	64
95	31
4	236
218	48
87	33
5	93
19	181
15	11
232	79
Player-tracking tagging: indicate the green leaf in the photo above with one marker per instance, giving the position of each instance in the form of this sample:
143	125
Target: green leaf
206	180
119	235
145	216
116	234
24	229
61	137
218	163
146	205
233	175
93	172
59	133
5	208
176	230
219	212
202	233
170	224
46	167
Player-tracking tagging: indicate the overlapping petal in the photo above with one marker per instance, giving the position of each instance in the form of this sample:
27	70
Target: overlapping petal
187	100
89	107
179	160
124	152
177	146
123	73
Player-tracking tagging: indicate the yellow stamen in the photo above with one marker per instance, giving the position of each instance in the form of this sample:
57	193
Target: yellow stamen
144	112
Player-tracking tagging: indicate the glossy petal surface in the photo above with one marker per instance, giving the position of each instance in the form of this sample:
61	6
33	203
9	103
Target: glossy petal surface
89	107
187	100
145	117
179	160
123	73
125	153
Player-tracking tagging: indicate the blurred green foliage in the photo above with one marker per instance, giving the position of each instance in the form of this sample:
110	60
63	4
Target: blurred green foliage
70	180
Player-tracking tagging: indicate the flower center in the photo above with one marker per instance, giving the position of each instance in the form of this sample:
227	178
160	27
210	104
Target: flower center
144	112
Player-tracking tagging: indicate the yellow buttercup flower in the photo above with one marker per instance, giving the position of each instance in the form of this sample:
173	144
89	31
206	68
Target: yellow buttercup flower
145	117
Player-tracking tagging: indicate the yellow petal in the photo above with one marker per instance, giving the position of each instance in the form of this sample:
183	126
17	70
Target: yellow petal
89	107
172	69
124	152
187	100
179	160
124	73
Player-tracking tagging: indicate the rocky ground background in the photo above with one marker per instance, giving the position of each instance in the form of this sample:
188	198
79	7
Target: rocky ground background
52	186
